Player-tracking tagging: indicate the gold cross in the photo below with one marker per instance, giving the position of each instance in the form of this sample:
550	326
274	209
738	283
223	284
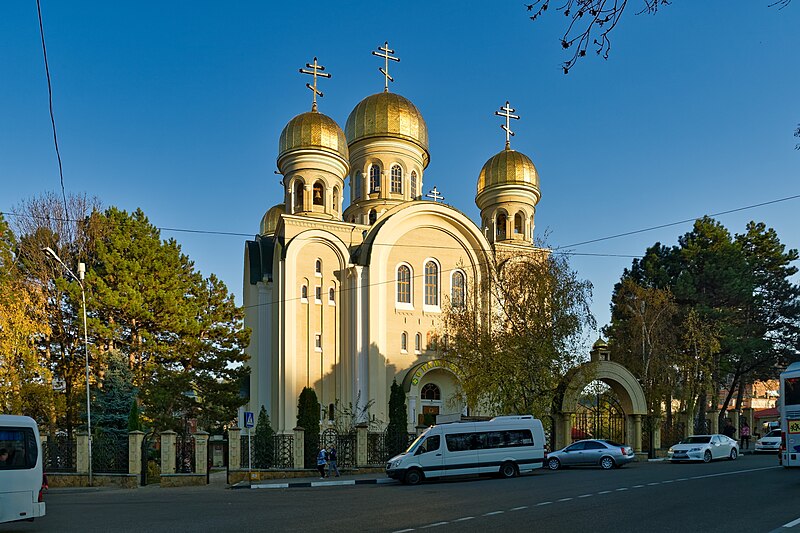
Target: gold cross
507	111
316	70
386	55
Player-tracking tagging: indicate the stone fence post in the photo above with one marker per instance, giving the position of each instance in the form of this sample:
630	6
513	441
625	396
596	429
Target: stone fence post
168	452
234	448
82	453
362	435
299	448
135	439
200	452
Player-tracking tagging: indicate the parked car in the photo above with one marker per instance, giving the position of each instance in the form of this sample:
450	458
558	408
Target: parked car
591	452
769	442
704	448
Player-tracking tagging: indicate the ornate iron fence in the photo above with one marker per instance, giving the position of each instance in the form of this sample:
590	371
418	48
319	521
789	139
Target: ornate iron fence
602	419
283	449
110	453
382	446
345	446
151	458
672	433
282	452
59	454
184	454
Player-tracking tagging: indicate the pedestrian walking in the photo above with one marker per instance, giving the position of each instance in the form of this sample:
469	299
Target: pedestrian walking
322	460
332	458
729	430
744	433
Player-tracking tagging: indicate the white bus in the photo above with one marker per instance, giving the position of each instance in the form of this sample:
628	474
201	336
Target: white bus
20	469
504	445
790	415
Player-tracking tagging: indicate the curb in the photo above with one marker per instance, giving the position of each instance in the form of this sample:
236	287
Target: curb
316	484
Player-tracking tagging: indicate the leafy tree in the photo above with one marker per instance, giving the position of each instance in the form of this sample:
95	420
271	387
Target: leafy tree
264	446
308	411
513	345
397	430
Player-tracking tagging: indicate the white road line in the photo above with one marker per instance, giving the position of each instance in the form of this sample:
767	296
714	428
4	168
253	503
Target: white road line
652	484
792	523
519	508
621	489
493	513
564	499
585	495
434	525
464	519
668	481
637	486
604	492
682	479
403	530
543	503
736	472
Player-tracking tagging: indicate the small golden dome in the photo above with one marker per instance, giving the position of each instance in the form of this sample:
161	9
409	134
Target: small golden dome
508	167
387	115
269	222
313	130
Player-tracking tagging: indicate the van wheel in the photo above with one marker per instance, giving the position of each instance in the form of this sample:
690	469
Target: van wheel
553	464
508	470
607	463
413	477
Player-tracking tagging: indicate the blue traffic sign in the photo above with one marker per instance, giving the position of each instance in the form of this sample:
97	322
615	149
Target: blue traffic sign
249	419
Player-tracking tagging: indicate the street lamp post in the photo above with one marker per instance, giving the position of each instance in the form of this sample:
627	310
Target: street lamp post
81	273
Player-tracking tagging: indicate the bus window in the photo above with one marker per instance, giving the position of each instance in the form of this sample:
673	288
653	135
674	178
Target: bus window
431	444
17	448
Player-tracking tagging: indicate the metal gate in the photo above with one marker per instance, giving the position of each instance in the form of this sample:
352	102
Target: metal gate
601	417
345	446
151	459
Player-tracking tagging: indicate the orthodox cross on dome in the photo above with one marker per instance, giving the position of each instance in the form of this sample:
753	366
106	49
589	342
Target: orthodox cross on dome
315	69
386	55
507	112
434	193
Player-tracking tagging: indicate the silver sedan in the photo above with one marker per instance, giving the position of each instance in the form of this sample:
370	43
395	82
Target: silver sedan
605	453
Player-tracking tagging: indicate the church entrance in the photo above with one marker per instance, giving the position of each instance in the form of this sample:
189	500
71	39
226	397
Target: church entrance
431	403
598	414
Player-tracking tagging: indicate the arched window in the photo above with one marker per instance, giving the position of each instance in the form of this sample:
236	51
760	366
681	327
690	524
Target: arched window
374	178
298	195
404	285
319	193
318	266
413	185
304	292
418	342
518	224
331	295
335	199
430	392
431	283
397	179
458	289
373	216
404	342
501	226
331	411
356	183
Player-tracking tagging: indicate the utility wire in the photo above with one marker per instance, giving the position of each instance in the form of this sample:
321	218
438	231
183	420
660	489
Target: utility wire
50	99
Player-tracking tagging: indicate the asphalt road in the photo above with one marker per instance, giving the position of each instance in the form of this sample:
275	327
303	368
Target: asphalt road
750	494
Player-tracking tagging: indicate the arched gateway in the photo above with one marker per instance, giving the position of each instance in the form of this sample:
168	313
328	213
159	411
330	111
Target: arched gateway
624	385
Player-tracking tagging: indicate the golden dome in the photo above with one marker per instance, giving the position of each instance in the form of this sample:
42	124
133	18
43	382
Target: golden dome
387	115
313	130
508	167
269	222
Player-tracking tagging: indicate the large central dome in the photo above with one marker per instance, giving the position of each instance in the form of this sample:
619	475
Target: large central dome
387	115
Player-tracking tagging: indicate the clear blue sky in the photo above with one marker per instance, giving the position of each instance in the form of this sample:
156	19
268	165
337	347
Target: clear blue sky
176	107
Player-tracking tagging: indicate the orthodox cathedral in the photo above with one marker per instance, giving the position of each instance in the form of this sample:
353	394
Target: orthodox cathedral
343	294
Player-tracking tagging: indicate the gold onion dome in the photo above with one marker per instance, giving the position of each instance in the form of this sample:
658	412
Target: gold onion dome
313	130
387	115
508	167
269	222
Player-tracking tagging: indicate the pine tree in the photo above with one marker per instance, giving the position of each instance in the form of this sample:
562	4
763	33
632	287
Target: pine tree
308	410
111	406
396	439
264	445
134	423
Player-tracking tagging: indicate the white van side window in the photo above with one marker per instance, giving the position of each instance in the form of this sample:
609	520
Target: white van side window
17	448
459	442
431	444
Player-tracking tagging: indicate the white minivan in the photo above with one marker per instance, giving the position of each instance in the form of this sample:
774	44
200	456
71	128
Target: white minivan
504	445
20	469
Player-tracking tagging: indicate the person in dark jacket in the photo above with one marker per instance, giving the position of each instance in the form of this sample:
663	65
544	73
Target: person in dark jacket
332	458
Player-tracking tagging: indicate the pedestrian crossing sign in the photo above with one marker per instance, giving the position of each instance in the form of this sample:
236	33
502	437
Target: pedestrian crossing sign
249	419
794	426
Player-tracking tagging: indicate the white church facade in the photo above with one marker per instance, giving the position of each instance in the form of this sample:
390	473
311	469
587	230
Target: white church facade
345	295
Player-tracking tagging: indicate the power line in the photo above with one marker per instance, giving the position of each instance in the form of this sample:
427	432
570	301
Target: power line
50	99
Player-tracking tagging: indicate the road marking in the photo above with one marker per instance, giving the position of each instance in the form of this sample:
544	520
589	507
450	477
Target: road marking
668	481
493	513
564	499
792	523
736	472
637	486
464	519
652	484
585	495
604	492
435	525
621	489
682	479
403	530
519	508
543	503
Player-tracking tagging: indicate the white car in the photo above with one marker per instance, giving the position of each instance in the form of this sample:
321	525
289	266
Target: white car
704	448
769	442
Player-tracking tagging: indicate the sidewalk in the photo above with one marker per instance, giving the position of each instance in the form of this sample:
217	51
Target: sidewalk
376	478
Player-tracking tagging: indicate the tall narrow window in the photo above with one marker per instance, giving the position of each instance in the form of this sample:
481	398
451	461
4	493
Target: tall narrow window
319	193
298	195
331	295
304	292
356	183
457	289
404	285
373	216
335	200
431	283
518	224
413	185
318	266
418	343
374	178
404	342
318	342
318	294
397	179
501	226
